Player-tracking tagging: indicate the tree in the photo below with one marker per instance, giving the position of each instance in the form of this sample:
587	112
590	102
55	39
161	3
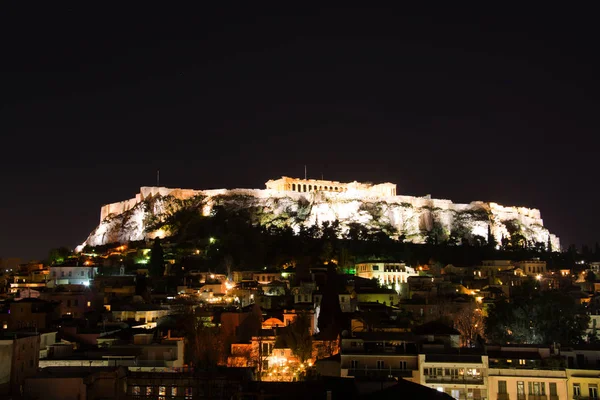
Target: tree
491	241
330	314
590	276
298	337
141	285
58	255
157	262
469	322
537	317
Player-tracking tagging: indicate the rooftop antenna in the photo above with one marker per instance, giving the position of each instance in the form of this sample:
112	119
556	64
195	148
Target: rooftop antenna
158	177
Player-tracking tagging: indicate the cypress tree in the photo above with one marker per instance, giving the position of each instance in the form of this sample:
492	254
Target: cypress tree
157	262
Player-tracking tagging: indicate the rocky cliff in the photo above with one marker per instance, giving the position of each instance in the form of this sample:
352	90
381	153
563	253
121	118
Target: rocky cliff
416	219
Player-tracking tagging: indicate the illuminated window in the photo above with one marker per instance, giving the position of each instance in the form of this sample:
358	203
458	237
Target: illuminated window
149	390
136	391
188	393
537	388
173	391
89	303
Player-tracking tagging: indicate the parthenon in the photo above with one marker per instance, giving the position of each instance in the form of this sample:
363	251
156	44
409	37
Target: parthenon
317	185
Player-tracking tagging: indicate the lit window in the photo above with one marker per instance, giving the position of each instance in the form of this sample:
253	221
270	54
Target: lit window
89	303
173	391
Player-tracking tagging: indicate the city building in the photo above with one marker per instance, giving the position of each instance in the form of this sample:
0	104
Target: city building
461	373
393	275
19	359
379	355
72	272
533	267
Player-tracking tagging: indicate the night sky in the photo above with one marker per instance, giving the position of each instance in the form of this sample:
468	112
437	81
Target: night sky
493	105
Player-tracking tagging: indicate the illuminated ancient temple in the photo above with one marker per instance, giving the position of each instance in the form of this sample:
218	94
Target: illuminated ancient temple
313	185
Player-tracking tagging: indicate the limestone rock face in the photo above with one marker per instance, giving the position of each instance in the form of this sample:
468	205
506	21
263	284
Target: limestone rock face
413	218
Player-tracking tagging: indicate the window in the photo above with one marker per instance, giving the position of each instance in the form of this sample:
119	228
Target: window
375	267
136	391
593	391
402	364
68	303
162	392
380	364
502	387
149	390
354	363
521	362
82	273
553	391
188	393
520	390
89	303
75	302
70	273
173	391
537	388
62	273
576	390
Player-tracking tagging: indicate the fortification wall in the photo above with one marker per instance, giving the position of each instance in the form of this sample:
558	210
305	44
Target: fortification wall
409	215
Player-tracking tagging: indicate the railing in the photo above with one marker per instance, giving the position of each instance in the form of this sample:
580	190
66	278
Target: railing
503	396
379	373
537	397
455	380
381	350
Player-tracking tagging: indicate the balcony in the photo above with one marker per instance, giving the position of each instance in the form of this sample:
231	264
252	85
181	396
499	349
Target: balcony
456	380
379	373
503	396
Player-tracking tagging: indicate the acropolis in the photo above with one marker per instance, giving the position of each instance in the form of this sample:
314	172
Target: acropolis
296	202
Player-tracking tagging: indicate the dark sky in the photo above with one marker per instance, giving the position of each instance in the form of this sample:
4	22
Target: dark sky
495	105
